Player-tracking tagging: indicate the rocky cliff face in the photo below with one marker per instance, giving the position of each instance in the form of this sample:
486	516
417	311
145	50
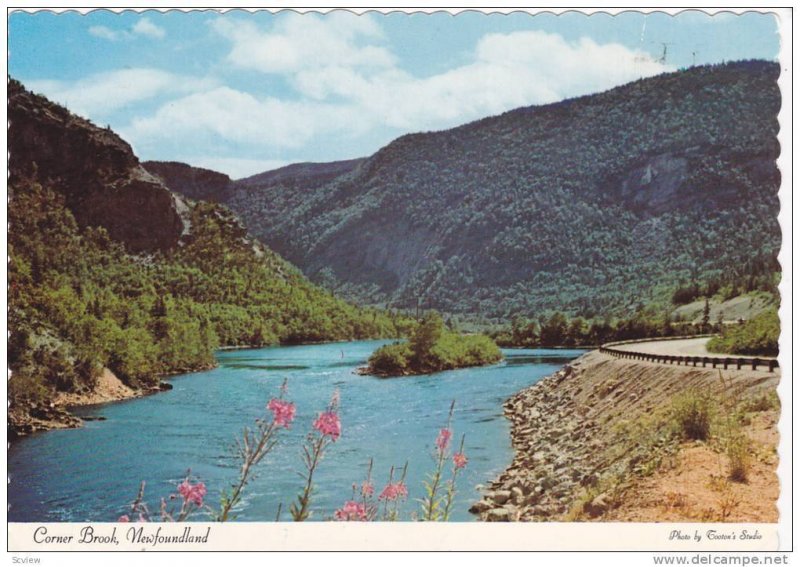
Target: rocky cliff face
96	170
193	182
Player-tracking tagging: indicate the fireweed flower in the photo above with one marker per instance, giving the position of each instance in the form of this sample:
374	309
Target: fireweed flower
192	493
282	412
443	440
367	489
328	424
124	518
460	460
393	491
351	512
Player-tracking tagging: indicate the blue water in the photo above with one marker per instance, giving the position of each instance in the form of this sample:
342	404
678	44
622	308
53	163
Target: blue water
93	473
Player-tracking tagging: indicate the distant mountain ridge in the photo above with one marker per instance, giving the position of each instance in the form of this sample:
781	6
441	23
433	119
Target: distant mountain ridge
590	205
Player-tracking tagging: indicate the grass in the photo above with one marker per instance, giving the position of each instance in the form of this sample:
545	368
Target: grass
738	451
693	413
727	500
765	402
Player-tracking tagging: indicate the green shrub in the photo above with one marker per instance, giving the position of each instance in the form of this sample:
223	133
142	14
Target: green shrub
390	360
692	412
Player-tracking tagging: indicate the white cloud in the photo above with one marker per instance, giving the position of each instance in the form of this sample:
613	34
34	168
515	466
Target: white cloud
234	116
309	41
147	28
143	27
343	100
507	71
97	95
339	59
104	33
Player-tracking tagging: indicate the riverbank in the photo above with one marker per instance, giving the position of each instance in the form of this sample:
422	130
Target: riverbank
26	417
590	439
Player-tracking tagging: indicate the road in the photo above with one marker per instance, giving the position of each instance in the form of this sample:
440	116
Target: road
679	347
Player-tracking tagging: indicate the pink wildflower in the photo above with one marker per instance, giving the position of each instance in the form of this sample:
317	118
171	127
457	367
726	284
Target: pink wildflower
367	489
142	517
282	412
443	440
124	518
351	511
192	493
393	491
328	424
460	460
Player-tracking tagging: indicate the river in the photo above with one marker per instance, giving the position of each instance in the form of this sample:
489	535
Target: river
93	473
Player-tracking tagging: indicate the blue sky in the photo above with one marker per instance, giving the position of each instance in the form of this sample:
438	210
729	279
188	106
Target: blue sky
246	92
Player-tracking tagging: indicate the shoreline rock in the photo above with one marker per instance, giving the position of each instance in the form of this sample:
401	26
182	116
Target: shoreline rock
552	460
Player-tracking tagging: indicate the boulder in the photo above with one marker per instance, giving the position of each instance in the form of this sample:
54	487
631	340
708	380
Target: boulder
498	515
480	507
501	496
598	506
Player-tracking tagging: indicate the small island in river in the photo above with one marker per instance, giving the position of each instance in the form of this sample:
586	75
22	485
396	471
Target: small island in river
432	348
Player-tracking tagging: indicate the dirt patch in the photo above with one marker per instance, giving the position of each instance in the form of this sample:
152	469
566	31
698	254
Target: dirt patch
695	486
109	388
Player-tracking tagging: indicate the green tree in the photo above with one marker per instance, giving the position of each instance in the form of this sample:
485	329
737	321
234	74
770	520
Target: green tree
425	337
554	331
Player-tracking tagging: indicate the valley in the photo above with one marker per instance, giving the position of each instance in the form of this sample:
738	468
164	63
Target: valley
646	210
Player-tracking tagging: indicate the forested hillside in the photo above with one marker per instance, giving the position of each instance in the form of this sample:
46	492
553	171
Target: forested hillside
153	285
592	206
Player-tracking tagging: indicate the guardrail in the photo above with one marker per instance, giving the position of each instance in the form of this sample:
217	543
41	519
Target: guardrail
753	363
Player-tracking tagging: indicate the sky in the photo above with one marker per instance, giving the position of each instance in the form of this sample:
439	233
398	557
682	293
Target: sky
244	92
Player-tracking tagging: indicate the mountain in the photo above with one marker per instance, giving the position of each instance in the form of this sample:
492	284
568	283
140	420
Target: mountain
112	274
100	178
592	205
192	182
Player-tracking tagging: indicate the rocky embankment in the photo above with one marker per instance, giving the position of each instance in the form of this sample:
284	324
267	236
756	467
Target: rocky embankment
583	429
